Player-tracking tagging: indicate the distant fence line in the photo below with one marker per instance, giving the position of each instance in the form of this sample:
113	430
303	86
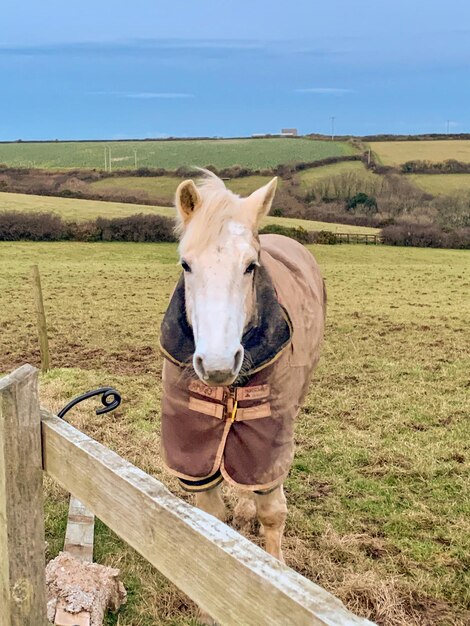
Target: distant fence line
358	238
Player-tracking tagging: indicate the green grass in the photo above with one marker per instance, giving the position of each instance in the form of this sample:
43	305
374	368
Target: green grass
164	187
80	210
309	177
253	153
379	502
441	184
398	152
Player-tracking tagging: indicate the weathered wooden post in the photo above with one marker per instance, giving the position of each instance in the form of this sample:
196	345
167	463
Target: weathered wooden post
41	319
22	542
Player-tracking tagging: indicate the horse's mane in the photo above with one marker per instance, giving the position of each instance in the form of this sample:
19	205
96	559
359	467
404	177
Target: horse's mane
219	205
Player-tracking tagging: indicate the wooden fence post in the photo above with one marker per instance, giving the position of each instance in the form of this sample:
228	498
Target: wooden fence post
41	319
22	542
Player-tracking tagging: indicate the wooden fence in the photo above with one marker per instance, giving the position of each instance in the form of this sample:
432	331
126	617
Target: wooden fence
358	238
232	579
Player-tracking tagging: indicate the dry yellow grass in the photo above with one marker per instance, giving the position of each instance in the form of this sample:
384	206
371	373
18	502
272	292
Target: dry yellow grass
379	502
398	152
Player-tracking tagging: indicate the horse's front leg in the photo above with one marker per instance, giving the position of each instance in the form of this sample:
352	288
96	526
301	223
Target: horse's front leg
211	501
271	509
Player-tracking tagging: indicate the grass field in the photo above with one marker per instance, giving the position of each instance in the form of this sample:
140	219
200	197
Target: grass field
398	152
379	502
253	153
79	210
164	187
441	184
309	177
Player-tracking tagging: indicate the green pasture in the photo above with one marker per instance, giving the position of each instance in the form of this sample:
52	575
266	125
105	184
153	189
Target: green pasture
72	209
252	153
379	496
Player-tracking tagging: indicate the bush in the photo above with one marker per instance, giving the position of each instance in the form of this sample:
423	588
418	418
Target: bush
137	228
298	233
361	199
451	166
334	212
288	203
83	231
185	172
344	187
17	226
425	236
324	237
453	211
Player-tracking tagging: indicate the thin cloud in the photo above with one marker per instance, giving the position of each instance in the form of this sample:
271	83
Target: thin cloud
144	95
325	91
156	94
130	46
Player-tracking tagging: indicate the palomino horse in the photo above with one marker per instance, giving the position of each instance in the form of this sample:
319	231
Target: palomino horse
240	338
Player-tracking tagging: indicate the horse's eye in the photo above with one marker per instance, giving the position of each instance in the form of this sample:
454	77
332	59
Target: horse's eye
251	268
185	266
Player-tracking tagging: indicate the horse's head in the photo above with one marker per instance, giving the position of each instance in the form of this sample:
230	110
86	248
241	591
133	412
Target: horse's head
219	252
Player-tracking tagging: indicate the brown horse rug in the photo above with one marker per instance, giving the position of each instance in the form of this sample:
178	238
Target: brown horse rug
244	433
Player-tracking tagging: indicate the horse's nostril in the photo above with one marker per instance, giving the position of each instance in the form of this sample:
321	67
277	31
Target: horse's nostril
199	366
237	363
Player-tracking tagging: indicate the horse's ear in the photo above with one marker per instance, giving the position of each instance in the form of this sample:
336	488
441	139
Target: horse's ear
187	200
260	201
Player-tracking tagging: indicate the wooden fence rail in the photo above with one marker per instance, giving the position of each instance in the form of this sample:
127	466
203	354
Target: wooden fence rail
232	579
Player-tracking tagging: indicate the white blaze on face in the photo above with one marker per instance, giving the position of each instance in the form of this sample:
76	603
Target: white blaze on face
219	251
218	299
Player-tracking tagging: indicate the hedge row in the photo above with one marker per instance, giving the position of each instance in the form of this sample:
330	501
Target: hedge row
18	226
426	236
451	166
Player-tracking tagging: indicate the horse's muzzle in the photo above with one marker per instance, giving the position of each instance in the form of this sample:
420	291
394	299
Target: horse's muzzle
218	373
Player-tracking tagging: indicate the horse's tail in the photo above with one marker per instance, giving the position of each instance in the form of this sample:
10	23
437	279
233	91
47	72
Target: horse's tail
325	298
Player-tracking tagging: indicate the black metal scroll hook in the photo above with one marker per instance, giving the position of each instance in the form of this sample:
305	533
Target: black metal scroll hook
110	398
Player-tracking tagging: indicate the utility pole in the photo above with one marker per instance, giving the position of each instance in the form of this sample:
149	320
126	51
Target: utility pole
105	160
332	118
448	124
109	155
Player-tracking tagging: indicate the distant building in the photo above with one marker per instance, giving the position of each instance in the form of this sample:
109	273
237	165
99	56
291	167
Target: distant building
289	132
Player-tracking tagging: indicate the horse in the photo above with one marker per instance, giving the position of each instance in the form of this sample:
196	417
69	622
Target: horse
240	340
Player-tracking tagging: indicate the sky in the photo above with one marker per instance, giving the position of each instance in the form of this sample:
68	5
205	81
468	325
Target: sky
119	70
